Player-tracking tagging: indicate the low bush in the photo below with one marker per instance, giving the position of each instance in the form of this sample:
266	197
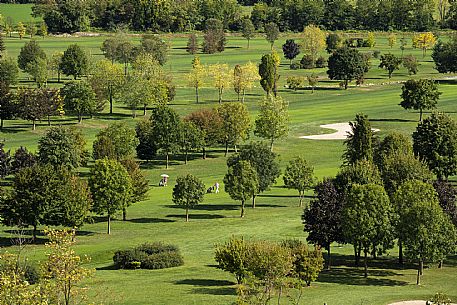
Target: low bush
307	62
295	66
321	62
148	256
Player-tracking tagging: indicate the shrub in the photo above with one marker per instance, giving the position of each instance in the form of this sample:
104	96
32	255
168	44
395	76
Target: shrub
294	82
295	66
307	62
376	54
321	62
148	256
31	274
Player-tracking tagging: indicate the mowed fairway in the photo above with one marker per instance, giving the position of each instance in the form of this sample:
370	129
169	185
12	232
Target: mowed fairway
277	215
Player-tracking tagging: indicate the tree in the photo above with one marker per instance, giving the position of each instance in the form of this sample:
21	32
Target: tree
147	148
322	219
156	47
29	53
111	187
221	77
120	49
9	107
236	123
290	49
368	219
43	29
22	158
210	124
31	29
5	162
106	81
346	64
371	40
273	120
271	33
79	98
214	38
232	256
445	56
299	175
36	104
411	64
333	42
21	30
268	71
191	138
392	40
394	143
9	72
247	29
188	192
390	62
121	139
424	41
313	41
313	80
192	44
140	185
38	69
244	78
165	130
241	182
55	62
359	142
435	142
264	162
420	95
447	198
63	147
74	61
63	270
426	233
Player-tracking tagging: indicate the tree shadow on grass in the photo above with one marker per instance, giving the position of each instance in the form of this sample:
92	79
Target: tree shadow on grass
109	267
11	241
393	120
353	276
196	216
150	220
378	263
209	207
208	286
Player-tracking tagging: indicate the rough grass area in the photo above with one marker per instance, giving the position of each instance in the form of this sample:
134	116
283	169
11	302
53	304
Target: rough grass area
217	219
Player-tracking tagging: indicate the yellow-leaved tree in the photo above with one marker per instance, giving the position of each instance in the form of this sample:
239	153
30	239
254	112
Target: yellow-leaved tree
244	78
196	76
424	41
313	41
221	76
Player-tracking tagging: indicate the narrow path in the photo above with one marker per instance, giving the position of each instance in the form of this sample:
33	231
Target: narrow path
341	132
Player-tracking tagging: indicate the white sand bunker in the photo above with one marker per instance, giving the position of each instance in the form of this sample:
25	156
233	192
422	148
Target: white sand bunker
411	303
341	133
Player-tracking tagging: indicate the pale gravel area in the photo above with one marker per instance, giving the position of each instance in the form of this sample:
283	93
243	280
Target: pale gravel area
417	302
341	133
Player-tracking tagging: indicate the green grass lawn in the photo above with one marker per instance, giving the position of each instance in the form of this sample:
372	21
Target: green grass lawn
277	216
18	12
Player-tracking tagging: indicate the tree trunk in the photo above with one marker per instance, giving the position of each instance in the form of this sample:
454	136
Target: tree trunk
125	69
144	109
187	214
34	124
419	272
80	118
204	153
242	208
238	95
235	148
356	257
366	263
110	104
34	232
253	201
185	162
167	161
420	117
109	224
300	194
124	214
243	96
329	264
400	252
220	96
271	144
346	82
248	43
226	148
440	264
196	94
58	76
49	120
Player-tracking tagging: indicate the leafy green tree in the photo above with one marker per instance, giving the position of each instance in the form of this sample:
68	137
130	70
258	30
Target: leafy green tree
191	138
64	17
346	64
359	142
271	33
75	61
111	187
214	38
425	231
313	41
9	71
29	53
120	137
196	76
447	196
35	104
299	175
393	143
236	123
333	42
273	120
268	73
107	81
420	95
156	47
43	30
231	257
241	182
31	29
368	219
79	98
9	107
264	162
38	69
63	147
188	192
322	219
21	29
147	148
290	49
390	62
247	29
22	158
140	184
435	142
411	64
445	56
165	130
192	44
5	162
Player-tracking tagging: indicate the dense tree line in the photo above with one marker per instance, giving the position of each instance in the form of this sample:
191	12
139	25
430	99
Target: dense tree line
290	15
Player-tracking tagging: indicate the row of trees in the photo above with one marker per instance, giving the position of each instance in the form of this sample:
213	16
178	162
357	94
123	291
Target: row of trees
168	15
47	191
385	192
